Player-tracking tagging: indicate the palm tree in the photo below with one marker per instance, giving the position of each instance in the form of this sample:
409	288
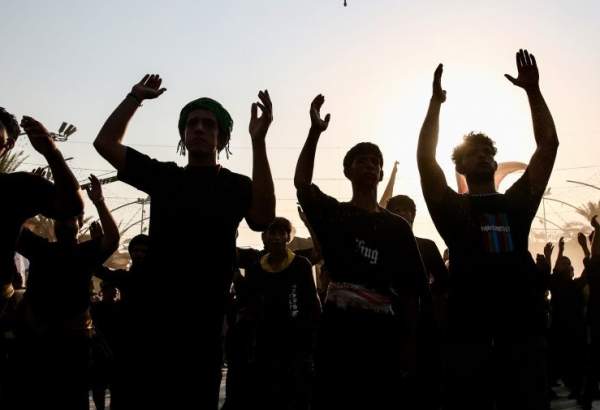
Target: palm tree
589	209
11	161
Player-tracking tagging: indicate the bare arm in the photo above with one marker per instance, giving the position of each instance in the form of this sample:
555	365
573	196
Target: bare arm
561	249
433	181
262	208
110	239
582	240
66	200
389	189
108	143
306	161
542	161
596	240
548	254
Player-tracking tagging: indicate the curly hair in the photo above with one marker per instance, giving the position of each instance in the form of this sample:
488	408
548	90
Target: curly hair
469	140
10	123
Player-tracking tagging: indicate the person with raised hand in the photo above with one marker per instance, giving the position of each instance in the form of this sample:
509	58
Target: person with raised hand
26	194
54	341
371	310
495	307
195	212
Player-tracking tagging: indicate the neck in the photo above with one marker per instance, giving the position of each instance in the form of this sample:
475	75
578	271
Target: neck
202	159
480	187
277	256
365	198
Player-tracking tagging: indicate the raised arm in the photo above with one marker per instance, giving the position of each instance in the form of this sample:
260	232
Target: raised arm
262	208
110	239
389	189
65	200
542	161
306	161
548	249
561	249
596	240
582	240
108	143
433	181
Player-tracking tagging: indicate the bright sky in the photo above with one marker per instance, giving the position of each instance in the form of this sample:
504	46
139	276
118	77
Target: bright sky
373	60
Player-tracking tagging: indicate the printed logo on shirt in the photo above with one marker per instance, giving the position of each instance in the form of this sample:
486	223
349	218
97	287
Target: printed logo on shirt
371	254
496	234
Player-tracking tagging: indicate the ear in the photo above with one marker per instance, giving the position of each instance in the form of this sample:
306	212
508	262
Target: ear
346	173
495	166
459	168
381	175
10	144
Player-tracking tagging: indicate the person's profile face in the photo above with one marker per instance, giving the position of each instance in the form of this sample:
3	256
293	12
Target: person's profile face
6	142
201	132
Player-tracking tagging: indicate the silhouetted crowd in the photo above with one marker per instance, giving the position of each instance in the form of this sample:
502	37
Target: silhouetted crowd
365	316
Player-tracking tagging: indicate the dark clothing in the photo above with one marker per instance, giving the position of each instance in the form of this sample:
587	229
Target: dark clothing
58	285
24	195
55	339
195	213
434	264
374	250
284	306
283	310
496	309
494	284
370	317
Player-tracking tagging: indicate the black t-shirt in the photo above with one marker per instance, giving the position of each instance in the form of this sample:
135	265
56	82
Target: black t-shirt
434	264
24	195
375	250
58	286
194	216
494	285
284	304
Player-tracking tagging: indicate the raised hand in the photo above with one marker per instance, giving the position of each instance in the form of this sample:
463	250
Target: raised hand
548	250
94	189
528	74
260	125
582	239
438	93
595	223
561	245
148	88
38	135
96	230
316	123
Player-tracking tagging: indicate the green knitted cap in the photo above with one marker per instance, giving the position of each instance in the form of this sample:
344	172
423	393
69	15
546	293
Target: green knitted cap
223	118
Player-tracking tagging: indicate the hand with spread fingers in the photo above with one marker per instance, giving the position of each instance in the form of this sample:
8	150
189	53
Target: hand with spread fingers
148	88
528	75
